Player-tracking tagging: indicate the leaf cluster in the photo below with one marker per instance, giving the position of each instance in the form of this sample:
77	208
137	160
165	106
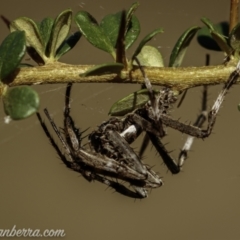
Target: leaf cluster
48	40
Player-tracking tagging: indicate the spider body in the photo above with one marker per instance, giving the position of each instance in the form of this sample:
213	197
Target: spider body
113	159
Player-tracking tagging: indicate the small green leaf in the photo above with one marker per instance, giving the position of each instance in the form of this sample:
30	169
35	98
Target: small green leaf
60	30
45	29
131	11
130	103
111	23
132	32
222	42
110	26
93	32
145	40
180	47
20	102
12	51
150	56
132	25
234	37
208	23
213	37
109	68
33	37
68	44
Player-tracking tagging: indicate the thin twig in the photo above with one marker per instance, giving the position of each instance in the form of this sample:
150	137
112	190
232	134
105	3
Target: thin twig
233	14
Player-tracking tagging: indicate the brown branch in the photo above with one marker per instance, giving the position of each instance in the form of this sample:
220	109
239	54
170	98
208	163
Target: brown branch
233	14
177	78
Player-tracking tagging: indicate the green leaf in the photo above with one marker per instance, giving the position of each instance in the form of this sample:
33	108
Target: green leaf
131	11
33	37
213	37
109	68
12	51
68	44
110	26
234	37
180	47
208	23
132	26
132	32
111	23
20	102
145	40
222	42
150	56
45	29
93	32
131	102
60	30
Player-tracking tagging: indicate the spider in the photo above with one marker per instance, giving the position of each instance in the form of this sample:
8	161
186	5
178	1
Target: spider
108	156
101	167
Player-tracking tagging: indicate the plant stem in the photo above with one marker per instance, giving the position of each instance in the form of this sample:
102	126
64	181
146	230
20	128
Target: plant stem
233	14
176	78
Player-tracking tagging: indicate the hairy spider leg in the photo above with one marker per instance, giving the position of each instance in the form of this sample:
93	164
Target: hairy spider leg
199	123
172	165
196	131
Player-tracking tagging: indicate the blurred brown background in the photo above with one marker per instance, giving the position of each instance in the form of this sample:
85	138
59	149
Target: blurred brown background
39	192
